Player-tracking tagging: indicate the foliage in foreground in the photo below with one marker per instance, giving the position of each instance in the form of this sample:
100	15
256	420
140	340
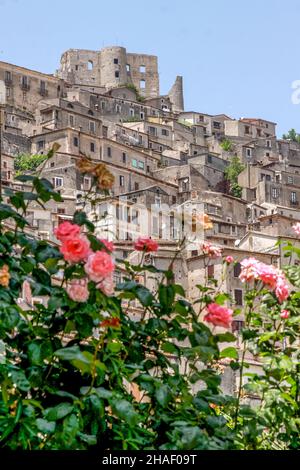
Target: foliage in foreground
79	375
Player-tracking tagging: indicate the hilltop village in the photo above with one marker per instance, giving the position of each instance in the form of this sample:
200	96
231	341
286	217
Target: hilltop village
170	165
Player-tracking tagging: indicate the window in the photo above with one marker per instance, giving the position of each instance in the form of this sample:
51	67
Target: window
267	154
142	69
237	325
249	152
136	186
237	270
293	197
268	177
185	184
238	296
150	145
194	253
90	65
157	201
121	180
116	61
216	125
24	82
4	164
52	164
209	159
141	165
152	130
92	146
134	163
57	181
258	132
155	225
109	151
268	144
164	132
117	74
86	183
131	112
140	139
42	87
61	210
135	217
124	157
142	84
102	104
275	193
71	120
8	78
75	141
92	127
127	68
142	115
41	144
211	270
247	130
118	108
8	92
290	180
76	67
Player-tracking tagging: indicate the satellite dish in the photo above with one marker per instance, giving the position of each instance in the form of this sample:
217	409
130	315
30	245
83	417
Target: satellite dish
2	92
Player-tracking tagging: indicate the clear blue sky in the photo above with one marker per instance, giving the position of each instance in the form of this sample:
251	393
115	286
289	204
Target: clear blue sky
236	57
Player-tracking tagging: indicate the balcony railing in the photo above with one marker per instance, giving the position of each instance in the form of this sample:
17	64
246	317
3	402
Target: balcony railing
43	92
25	86
8	81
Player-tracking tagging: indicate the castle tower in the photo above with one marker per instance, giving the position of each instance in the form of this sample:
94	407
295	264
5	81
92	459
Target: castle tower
113	67
176	95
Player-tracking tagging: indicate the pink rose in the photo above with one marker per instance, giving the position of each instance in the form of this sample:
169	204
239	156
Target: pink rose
212	251
285	314
75	249
77	290
296	228
108	245
229	259
145	244
107	285
268	274
99	265
219	315
66	230
282	288
249	269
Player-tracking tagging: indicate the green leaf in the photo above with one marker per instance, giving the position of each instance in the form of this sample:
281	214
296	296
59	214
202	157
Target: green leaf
45	426
163	395
88	438
58	412
145	296
19	378
229	352
225	337
124	410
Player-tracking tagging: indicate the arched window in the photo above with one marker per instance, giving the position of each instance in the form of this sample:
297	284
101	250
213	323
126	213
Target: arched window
90	65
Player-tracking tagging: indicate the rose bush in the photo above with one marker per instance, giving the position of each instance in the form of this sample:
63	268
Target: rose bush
83	370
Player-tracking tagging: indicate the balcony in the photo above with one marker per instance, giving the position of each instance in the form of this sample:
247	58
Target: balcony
25	86
8	81
294	203
43	92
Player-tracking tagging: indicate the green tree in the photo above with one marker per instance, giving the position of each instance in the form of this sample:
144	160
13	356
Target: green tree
26	162
292	135
231	173
226	145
